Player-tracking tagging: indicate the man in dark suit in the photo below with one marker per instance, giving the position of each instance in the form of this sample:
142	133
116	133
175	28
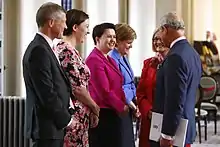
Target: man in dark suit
178	78
47	87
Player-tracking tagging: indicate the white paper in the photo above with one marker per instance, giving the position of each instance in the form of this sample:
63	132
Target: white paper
156	126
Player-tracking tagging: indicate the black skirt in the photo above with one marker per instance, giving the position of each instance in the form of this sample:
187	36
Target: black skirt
127	132
108	131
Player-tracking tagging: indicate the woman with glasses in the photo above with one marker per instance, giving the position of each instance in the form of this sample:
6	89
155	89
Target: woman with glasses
146	88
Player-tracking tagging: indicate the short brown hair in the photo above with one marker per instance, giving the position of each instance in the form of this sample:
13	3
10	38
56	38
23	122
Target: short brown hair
74	17
46	12
125	32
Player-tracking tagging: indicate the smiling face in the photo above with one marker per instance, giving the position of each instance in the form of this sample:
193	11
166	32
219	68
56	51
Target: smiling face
81	31
158	44
107	41
125	35
124	47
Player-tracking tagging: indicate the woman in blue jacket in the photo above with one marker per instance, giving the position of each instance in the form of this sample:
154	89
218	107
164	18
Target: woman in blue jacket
125	36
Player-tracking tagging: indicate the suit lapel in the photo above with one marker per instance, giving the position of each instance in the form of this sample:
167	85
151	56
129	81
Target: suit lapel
132	72
108	61
53	56
127	67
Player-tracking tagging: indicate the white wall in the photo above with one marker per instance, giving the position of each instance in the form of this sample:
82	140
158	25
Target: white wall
142	14
100	11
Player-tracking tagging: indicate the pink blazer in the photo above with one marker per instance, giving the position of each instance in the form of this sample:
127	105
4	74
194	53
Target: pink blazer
105	85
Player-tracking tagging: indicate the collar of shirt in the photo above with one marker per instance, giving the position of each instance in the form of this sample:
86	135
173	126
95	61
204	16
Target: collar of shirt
176	40
49	41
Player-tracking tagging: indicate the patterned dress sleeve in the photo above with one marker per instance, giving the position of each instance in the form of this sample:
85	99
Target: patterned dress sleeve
73	66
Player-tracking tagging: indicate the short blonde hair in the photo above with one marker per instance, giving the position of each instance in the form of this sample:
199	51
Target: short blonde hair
125	32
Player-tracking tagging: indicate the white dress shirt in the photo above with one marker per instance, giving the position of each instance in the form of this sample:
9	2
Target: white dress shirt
52	45
171	45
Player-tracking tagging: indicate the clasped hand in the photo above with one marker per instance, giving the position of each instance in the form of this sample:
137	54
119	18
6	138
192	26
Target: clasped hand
94	120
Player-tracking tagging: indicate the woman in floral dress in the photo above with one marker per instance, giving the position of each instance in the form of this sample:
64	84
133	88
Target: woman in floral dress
85	109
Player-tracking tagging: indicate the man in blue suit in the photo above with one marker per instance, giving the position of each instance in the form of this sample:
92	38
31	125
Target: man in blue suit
178	78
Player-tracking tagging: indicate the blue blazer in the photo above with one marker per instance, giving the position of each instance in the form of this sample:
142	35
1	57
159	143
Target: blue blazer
178	78
127	73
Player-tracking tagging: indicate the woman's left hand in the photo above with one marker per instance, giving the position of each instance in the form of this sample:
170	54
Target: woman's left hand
94	120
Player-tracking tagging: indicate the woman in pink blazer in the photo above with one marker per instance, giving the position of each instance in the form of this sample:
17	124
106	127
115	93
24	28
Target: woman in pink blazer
105	87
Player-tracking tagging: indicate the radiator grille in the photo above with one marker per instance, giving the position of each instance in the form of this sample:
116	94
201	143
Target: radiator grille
12	117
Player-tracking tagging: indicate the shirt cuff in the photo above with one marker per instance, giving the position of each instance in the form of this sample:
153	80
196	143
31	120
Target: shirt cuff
167	137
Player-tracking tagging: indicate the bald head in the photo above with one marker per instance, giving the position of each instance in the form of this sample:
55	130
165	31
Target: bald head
173	21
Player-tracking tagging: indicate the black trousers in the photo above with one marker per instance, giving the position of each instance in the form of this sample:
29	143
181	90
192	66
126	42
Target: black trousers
107	133
48	143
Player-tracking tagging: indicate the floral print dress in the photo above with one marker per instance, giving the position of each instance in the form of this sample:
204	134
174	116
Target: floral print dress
79	75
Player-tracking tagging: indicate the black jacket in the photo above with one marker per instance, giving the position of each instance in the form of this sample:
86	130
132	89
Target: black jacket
47	91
